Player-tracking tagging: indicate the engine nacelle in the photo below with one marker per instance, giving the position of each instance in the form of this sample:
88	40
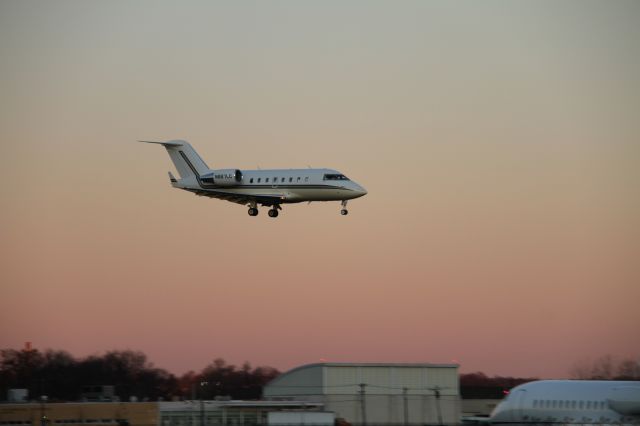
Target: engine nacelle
223	177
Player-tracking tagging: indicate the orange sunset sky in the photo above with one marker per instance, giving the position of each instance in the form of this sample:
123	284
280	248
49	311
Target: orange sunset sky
499	142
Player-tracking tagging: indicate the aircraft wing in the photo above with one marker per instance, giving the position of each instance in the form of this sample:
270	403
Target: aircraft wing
264	199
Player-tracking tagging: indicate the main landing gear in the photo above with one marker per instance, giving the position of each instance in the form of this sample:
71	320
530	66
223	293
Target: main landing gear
344	210
273	211
253	209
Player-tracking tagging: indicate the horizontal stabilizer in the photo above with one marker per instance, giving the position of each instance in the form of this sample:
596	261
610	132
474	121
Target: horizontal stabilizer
168	143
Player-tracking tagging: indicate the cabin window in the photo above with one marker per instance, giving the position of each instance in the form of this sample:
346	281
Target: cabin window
275	180
282	180
259	179
306	179
298	178
266	180
290	179
580	405
251	180
535	403
588	405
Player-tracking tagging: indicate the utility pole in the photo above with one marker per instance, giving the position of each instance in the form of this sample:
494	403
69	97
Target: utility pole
406	405
363	406
202	384
437	392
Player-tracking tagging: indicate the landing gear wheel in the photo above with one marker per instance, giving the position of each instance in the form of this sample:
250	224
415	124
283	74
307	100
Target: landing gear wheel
273	212
253	211
344	210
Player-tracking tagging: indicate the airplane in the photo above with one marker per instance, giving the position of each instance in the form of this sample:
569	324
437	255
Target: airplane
567	402
252	187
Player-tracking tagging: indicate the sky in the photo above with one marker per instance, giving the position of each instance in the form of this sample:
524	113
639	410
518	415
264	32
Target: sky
499	143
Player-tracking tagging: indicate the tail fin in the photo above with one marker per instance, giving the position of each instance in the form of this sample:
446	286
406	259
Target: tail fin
184	157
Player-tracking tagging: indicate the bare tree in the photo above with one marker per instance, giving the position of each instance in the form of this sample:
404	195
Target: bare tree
607	367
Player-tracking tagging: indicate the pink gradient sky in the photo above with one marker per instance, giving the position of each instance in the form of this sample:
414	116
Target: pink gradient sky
499	142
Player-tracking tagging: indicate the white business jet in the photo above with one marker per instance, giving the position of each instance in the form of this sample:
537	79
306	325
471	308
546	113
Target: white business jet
566	402
252	187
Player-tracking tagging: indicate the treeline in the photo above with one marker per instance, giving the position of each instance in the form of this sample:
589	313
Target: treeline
61	377
607	367
480	386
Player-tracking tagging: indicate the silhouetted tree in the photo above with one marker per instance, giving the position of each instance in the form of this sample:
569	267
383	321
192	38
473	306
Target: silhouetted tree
60	376
221	379
479	386
607	367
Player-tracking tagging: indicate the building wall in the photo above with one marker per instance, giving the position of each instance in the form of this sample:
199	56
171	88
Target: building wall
389	388
80	414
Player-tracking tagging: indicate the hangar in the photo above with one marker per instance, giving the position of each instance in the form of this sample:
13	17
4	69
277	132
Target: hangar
365	393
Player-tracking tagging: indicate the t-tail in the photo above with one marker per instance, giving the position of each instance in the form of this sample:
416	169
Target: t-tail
187	161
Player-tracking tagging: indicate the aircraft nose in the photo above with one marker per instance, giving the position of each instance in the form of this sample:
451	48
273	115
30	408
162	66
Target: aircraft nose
360	191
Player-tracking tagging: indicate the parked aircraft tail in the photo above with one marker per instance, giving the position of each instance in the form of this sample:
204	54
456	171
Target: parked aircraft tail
184	157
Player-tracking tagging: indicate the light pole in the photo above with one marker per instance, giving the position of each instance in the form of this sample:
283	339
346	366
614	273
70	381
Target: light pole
43	416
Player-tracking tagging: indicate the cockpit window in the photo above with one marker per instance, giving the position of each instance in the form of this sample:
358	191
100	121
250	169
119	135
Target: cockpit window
330	176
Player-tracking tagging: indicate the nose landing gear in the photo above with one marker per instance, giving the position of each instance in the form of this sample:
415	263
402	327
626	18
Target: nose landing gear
344	210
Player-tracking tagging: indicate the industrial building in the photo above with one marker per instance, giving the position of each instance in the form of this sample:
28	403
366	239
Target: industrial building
171	413
358	393
80	413
363	393
237	413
